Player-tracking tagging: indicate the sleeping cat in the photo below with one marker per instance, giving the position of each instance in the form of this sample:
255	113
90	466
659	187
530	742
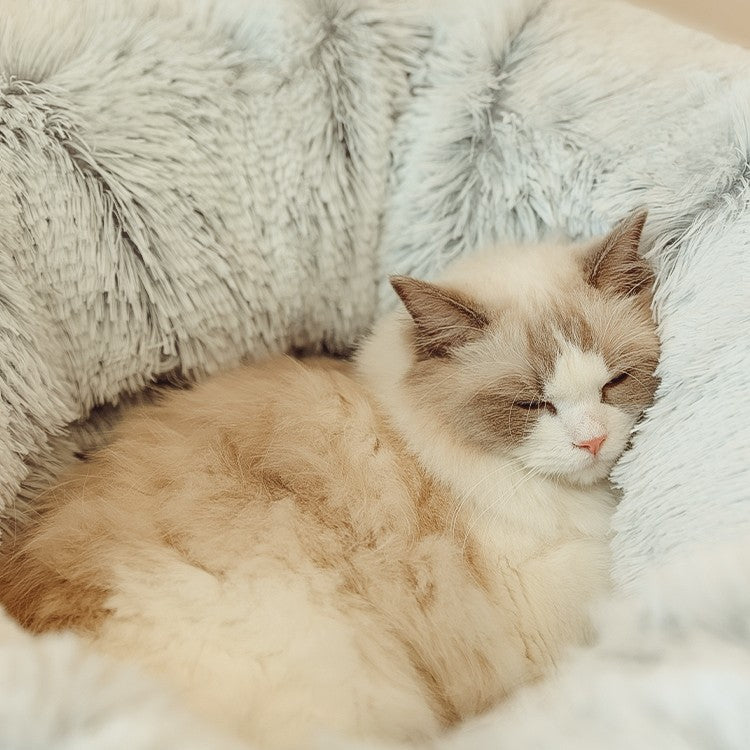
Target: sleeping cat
378	549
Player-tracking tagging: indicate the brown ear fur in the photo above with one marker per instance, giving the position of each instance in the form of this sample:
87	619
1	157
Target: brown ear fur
616	265
443	319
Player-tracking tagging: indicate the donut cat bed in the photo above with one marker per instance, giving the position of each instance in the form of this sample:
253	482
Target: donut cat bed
184	184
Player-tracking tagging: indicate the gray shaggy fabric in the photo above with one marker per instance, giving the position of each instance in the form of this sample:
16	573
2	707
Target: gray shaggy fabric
184	183
530	118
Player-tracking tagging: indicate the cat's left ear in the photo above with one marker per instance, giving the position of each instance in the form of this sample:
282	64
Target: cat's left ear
615	265
443	319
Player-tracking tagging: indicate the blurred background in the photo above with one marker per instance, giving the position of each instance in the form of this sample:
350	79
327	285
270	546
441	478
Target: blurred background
727	19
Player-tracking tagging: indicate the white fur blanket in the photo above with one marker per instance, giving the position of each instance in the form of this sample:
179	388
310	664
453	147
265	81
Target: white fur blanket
187	182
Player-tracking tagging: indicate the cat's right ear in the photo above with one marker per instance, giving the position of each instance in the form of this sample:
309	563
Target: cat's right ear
616	266
443	319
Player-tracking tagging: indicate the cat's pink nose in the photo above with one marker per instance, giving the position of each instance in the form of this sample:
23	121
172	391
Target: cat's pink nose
594	445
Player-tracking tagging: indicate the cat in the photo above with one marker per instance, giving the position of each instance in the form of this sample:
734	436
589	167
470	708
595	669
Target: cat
377	549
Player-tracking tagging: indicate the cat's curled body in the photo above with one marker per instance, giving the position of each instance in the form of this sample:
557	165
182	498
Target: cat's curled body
376	550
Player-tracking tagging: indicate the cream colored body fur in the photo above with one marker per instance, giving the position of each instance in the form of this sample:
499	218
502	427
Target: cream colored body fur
301	548
391	637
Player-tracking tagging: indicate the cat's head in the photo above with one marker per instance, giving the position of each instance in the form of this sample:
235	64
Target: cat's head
543	353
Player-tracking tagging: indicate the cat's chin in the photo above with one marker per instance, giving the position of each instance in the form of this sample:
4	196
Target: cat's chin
588	479
597	472
585	477
574	470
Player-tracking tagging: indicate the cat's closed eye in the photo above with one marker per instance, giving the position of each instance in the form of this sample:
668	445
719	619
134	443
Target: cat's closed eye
536	406
617	379
611	384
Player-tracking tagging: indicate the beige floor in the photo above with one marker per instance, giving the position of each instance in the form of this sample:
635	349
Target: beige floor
727	19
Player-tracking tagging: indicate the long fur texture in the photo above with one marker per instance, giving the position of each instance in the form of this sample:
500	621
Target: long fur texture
301	546
183	184
670	672
589	109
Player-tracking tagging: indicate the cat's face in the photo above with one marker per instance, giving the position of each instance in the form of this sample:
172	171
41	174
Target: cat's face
549	358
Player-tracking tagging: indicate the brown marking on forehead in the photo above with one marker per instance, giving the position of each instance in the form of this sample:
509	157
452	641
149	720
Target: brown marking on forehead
564	320
542	349
571	321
